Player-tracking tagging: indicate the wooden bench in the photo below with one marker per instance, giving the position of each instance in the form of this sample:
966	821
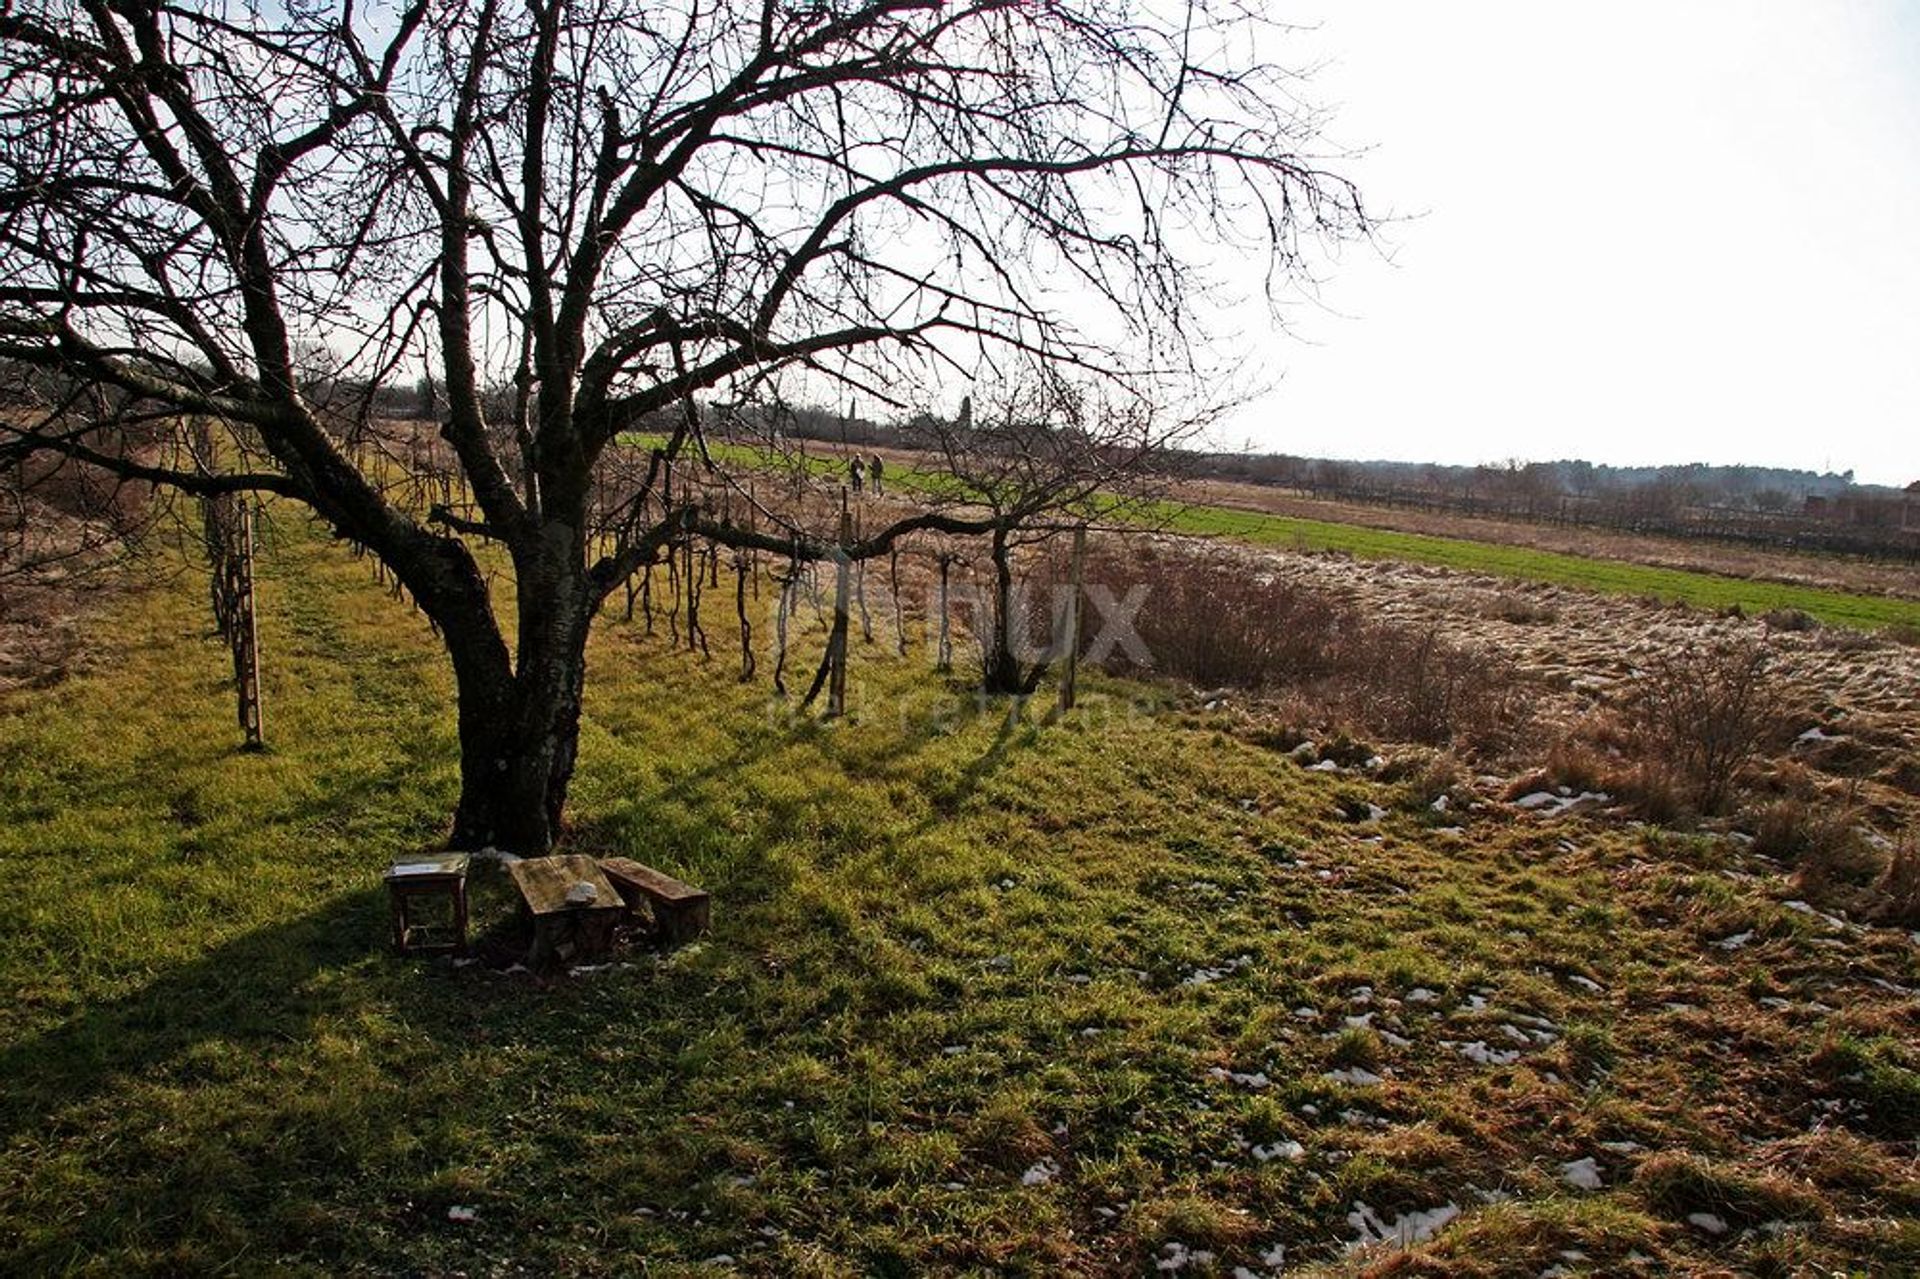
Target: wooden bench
414	878
565	927
681	912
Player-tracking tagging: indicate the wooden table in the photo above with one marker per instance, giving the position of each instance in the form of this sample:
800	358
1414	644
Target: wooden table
435	875
563	929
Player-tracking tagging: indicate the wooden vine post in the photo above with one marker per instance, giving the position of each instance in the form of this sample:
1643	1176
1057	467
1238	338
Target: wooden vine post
246	641
943	649
837	640
1070	625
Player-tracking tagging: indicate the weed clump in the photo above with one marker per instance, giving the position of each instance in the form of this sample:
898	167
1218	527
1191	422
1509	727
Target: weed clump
1681	1185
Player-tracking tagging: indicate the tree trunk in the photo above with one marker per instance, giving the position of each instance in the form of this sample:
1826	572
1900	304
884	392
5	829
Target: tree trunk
520	723
1002	665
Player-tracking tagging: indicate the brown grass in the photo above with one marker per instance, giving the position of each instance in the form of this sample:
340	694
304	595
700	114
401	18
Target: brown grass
1215	622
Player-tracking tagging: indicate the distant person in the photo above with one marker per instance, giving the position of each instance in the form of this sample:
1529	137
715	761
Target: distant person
857	471
876	470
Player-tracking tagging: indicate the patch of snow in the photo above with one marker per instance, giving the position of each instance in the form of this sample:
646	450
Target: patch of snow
1817	734
462	1214
1324	766
1280	1150
1550	804
1358	1076
1175	1257
1041	1173
1736	941
1582	1174
1202	976
1403	1231
1478	1052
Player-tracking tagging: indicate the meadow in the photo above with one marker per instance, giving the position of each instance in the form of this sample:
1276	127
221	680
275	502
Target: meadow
988	991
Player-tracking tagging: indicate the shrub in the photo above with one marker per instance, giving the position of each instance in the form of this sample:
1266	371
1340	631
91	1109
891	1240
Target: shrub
1788	619
1703	715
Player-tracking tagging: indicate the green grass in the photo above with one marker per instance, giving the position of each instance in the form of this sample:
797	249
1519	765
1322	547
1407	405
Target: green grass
1710	591
1615	577
951	947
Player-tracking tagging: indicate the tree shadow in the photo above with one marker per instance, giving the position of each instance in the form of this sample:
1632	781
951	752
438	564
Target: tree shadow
255	992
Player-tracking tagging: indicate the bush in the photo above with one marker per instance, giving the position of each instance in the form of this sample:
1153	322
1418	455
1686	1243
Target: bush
1702	716
1216	622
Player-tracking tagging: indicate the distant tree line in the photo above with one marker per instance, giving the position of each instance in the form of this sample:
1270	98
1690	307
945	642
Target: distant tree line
1776	507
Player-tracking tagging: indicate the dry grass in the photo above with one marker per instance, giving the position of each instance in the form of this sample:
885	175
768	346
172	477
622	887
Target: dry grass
1897	892
1213	622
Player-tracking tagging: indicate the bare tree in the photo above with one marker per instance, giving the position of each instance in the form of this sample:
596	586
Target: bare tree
579	216
1036	460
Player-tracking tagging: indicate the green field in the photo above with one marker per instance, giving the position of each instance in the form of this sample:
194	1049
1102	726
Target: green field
1709	591
983	995
1618	577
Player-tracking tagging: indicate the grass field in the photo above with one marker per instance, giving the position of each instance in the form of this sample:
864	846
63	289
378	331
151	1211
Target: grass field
1617	577
983	995
1709	591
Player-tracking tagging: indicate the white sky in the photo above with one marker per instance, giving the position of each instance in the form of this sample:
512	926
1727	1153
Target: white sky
1635	233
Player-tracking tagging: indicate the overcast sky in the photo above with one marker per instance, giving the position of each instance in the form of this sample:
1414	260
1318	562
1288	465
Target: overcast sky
1634	232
